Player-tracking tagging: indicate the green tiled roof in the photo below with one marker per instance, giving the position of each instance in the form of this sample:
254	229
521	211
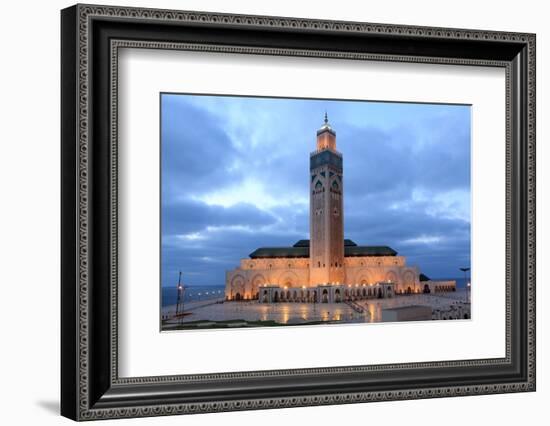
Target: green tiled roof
271	252
369	251
301	243
301	249
305	243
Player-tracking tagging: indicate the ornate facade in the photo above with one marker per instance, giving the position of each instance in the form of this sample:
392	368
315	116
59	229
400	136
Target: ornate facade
327	268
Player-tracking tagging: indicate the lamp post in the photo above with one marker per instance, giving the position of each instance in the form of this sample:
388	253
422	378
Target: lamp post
465	270
181	292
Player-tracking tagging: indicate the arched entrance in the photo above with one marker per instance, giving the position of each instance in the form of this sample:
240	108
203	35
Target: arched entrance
337	296
391	277
237	287
288	279
426	289
257	281
324	297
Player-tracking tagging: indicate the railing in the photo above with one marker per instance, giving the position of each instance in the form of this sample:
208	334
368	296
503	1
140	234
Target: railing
355	306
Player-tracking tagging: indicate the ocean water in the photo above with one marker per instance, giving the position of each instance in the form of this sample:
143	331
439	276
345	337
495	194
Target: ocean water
192	293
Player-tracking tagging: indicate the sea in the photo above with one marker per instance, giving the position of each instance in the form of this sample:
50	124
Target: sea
192	293
208	292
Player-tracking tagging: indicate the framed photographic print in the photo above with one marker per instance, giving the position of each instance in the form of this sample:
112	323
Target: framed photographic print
263	212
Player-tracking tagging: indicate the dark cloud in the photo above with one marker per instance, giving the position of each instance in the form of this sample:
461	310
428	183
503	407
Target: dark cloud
195	150
188	216
400	160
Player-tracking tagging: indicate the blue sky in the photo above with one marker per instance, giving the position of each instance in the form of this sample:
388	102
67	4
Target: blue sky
235	176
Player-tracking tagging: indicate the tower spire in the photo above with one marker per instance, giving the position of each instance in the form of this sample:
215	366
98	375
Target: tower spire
326	136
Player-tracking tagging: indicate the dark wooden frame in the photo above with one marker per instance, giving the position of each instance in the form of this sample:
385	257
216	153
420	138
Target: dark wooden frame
90	386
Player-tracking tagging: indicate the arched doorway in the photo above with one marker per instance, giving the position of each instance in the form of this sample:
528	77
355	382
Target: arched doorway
337	296
276	296
256	282
409	278
426	289
380	293
391	277
324	297
237	287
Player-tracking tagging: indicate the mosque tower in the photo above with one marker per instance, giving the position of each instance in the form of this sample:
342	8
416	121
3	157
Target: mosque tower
326	249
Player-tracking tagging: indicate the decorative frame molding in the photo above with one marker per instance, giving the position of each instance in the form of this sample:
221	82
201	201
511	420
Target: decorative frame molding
91	37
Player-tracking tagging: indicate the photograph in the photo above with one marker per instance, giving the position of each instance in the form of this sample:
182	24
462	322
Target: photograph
294	211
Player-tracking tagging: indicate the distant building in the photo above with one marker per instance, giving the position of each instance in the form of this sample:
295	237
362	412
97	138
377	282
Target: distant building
327	268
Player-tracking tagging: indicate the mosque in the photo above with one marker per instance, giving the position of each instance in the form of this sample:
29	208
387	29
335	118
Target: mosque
327	268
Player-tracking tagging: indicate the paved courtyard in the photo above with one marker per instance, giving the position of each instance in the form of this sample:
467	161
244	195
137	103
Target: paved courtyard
302	313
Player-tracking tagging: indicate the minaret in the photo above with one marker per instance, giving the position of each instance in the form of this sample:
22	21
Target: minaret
326	248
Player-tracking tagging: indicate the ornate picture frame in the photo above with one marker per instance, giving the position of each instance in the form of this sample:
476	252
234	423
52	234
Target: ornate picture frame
91	37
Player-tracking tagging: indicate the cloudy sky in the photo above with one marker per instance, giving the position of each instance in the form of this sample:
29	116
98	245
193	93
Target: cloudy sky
235	176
